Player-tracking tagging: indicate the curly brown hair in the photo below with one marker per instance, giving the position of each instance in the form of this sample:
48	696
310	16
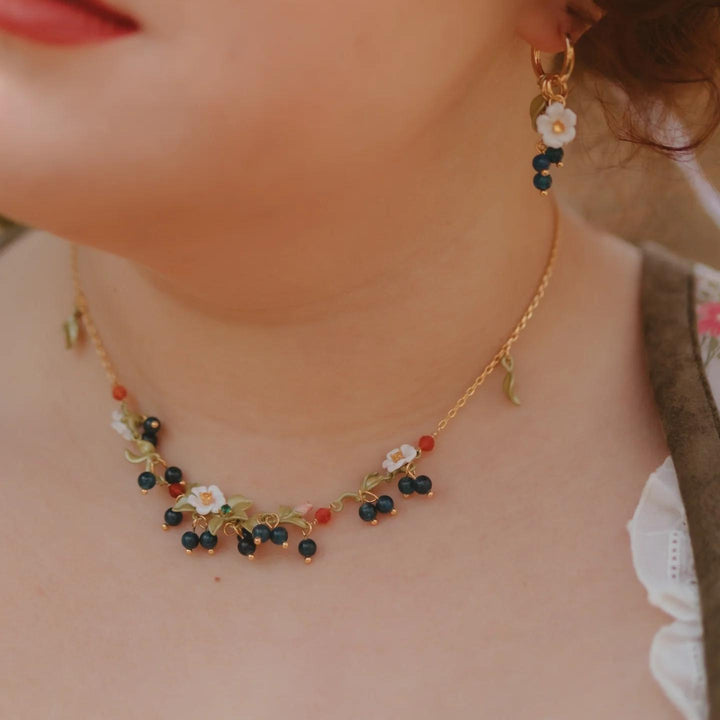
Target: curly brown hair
661	54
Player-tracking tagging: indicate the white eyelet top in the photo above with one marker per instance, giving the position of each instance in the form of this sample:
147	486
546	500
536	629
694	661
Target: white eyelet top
660	543
662	556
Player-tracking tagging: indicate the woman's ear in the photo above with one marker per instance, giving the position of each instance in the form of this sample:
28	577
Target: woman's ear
543	24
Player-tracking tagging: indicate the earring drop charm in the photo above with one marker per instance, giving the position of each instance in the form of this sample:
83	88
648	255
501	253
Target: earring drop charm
550	118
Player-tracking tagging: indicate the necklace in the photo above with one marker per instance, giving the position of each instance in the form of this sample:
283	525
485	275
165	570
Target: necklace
212	512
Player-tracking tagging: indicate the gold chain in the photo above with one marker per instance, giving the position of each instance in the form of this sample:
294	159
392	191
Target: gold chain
81	306
505	347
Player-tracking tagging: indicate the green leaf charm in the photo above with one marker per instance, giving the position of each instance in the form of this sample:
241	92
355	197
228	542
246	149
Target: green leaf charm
287	515
337	505
372	480
537	107
182	505
145	447
509	380
235	500
238	504
215	523
71	328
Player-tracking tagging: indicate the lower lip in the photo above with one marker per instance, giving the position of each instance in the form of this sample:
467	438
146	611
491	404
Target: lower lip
64	22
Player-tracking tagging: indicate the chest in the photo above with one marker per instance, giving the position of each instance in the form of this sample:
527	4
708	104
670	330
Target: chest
527	607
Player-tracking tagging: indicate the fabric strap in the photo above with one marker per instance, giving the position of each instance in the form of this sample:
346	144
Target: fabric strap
692	427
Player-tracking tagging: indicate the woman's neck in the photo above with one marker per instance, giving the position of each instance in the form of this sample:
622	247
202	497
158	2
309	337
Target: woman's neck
355	317
340	338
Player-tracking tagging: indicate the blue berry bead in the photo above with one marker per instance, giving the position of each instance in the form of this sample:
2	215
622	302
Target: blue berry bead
173	474
190	540
245	534
406	485
260	533
246	546
384	504
208	540
554	155
542	182
172	517
278	535
151	425
146	480
306	548
423	484
367	511
541	162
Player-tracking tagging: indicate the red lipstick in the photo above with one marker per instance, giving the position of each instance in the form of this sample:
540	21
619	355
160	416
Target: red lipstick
64	22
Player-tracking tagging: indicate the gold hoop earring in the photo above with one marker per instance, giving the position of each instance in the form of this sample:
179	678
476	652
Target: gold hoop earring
550	117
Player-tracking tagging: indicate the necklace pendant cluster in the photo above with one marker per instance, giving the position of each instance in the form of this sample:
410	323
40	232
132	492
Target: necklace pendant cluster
211	513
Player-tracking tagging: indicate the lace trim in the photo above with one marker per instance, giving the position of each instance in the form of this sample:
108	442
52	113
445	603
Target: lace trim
663	560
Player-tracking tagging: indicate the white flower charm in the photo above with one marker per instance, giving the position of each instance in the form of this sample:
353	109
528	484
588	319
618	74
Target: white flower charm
206	499
399	456
119	425
556	125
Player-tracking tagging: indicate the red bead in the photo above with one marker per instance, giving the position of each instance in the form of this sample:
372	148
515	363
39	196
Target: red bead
176	489
323	515
119	392
426	443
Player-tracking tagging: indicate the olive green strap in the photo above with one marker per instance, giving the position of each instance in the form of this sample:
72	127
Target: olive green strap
692	428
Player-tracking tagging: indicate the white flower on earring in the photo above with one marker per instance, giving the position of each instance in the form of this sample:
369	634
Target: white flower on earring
556	125
206	499
118	424
399	456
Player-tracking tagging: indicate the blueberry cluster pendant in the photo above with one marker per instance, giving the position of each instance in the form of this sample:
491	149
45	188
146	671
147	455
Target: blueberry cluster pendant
212	513
550	118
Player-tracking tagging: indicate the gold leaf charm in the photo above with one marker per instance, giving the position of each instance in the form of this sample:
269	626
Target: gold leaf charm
71	328
182	505
239	504
372	480
537	107
215	523
286	514
509	381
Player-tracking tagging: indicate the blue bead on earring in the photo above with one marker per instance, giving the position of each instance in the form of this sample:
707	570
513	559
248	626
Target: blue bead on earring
550	117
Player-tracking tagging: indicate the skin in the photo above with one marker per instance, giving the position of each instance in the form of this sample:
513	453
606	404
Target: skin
305	227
